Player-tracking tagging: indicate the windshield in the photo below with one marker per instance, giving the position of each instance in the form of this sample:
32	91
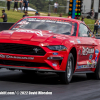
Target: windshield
53	25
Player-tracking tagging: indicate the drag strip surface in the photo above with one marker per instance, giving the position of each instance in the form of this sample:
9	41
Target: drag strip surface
79	89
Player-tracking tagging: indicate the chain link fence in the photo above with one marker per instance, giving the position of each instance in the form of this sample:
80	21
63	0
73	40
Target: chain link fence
60	9
3	4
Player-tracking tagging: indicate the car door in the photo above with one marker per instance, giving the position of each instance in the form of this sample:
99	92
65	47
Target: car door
86	49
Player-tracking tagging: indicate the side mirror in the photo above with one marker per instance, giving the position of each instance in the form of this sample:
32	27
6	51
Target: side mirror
89	34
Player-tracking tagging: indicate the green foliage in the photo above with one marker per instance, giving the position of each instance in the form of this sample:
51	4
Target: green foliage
32	6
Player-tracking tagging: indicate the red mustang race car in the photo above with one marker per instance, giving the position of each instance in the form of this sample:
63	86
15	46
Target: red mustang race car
51	44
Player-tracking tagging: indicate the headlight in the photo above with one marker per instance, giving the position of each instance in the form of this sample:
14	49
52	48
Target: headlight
57	48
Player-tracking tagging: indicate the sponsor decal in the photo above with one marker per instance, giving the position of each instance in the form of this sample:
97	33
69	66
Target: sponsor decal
78	41
90	64
96	53
23	22
90	57
39	33
15	28
79	67
93	64
72	42
83	66
15	57
87	51
49	20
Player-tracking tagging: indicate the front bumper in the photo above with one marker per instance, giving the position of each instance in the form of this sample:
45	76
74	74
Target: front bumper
33	69
51	61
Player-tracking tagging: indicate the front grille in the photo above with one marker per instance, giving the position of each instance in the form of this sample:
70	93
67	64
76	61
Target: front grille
21	49
22	63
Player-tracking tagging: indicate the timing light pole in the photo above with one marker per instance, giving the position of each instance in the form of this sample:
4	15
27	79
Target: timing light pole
73	10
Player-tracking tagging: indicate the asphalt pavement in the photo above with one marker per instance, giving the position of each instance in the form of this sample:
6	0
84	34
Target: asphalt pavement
46	86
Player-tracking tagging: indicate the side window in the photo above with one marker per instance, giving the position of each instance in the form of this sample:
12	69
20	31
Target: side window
83	31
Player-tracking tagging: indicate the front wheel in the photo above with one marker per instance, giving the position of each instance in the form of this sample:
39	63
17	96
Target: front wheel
67	75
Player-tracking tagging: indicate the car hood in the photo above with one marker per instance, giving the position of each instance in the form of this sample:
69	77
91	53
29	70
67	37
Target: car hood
33	35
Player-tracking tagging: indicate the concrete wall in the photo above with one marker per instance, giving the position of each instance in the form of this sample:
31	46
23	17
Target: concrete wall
98	15
96	5
86	6
5	26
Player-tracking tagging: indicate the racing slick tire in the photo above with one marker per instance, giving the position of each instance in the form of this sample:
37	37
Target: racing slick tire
96	74
67	75
97	71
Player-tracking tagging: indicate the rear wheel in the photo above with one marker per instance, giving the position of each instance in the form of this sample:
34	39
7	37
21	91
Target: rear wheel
97	71
67	75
